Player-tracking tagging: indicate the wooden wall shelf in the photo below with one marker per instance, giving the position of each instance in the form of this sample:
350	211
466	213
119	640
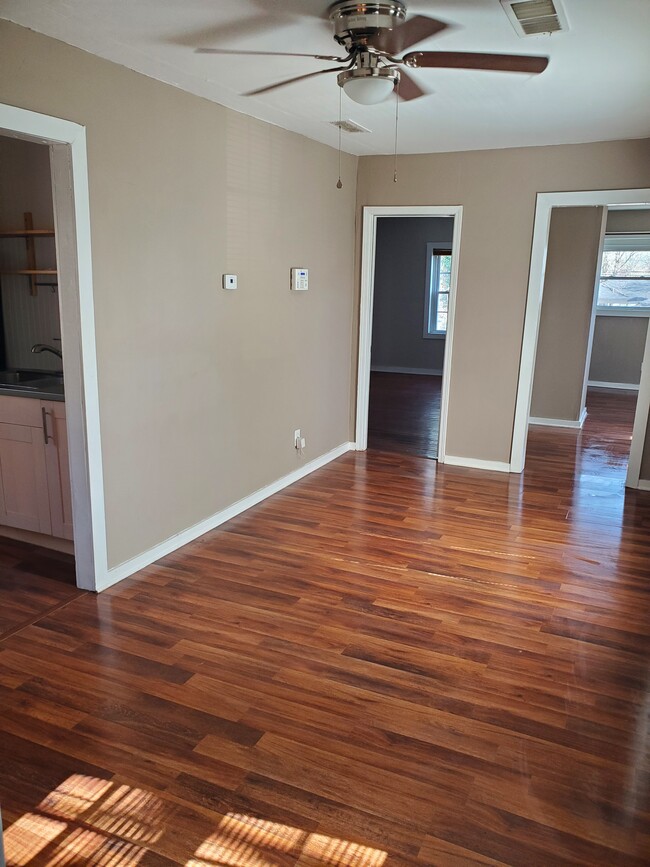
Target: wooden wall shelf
30	234
30	271
27	233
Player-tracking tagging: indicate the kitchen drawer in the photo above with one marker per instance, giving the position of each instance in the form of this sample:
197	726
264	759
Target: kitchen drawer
20	410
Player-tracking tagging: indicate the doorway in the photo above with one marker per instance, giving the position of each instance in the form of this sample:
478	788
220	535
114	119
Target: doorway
411	303
408	293
36	530
558	387
66	144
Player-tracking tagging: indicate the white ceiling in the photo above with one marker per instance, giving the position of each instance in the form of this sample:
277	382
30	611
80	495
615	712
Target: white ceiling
597	85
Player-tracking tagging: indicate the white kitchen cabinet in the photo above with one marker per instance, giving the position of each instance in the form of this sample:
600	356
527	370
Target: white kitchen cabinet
34	475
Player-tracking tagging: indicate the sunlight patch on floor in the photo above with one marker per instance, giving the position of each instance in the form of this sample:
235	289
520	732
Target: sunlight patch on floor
74	796
87	820
246	841
28	836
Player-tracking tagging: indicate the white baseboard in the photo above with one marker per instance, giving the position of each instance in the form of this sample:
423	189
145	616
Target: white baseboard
477	464
628	386
560	422
130	567
643	485
419	371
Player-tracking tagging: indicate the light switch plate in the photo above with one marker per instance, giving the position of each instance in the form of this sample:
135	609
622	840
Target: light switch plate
299	279
229	281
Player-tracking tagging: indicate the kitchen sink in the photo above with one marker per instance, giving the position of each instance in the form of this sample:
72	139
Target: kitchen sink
31	380
19	377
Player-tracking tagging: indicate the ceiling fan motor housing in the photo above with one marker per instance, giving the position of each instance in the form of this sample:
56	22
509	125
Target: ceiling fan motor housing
356	22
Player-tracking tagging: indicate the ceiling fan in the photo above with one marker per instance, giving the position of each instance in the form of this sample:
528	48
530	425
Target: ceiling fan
373	34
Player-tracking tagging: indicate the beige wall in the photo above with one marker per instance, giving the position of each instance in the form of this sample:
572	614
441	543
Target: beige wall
497	190
25	185
619	341
200	389
400	287
637	220
617	353
634	221
567	307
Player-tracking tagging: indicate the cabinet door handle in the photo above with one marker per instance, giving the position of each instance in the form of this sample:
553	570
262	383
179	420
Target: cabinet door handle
46	436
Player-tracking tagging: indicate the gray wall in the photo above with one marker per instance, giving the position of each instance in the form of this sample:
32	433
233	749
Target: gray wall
567	307
619	340
399	296
25	185
636	220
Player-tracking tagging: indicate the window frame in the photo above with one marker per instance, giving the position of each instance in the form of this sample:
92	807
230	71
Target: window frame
433	249
615	241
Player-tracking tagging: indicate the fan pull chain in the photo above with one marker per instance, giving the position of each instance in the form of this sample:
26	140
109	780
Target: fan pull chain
339	183
396	127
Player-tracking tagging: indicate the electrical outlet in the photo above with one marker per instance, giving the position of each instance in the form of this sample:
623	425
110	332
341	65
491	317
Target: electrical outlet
297	434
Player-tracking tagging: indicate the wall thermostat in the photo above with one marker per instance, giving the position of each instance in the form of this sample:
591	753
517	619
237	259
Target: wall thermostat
229	281
299	279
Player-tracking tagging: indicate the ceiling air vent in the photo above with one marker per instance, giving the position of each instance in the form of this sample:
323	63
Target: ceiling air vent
349	126
532	17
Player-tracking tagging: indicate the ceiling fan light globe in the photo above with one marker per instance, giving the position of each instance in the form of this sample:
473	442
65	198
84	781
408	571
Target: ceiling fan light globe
368	91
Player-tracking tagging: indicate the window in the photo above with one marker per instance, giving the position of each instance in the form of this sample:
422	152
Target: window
438	285
624	285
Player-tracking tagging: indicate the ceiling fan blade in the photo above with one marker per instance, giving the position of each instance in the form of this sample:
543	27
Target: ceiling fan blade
292	80
269	54
414	30
409	88
470	60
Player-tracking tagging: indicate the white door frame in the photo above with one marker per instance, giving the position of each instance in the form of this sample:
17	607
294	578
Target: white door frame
633	479
68	159
368	249
545	203
594	310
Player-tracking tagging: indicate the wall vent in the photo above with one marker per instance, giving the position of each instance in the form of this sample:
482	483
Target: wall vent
349	126
532	17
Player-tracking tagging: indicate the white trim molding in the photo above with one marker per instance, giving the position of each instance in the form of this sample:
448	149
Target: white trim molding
368	249
626	386
432	247
643	485
624	312
130	567
592	319
543	208
633	479
561	422
477	464
68	157
418	371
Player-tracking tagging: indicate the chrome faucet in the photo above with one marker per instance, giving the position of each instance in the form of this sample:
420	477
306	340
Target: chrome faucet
43	347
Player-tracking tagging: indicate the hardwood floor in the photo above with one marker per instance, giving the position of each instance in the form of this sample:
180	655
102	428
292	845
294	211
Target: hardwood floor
392	662
33	581
404	413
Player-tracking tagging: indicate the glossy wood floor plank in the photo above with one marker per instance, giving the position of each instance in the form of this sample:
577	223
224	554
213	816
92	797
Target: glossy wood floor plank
33	581
390	663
